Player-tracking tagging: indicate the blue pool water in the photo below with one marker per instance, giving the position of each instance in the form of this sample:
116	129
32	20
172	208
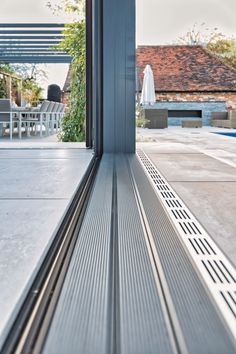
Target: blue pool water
232	135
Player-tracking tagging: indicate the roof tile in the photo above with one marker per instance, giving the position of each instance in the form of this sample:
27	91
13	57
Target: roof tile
186	68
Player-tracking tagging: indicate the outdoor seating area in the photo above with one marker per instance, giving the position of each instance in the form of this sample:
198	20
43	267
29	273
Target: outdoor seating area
224	119
193	123
43	120
157	118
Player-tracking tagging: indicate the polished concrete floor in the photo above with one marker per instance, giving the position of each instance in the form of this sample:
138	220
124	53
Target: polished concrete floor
38	181
201	167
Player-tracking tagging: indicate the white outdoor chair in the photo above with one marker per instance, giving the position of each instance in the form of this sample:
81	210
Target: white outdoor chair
57	115
53	117
36	117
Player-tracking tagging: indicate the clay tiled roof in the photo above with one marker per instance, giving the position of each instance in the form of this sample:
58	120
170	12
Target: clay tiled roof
186	68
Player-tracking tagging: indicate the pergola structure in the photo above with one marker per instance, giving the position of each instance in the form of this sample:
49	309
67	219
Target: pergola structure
32	43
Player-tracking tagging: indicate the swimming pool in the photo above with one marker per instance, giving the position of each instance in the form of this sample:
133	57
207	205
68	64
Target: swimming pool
232	135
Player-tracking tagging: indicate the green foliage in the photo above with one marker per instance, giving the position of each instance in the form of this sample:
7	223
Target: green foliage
224	48
70	6
3	91
4	68
31	91
73	126
213	40
7	68
141	122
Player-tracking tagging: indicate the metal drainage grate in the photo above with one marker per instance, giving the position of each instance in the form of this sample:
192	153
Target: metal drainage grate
212	265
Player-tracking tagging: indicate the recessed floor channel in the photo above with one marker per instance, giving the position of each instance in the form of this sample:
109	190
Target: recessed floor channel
131	286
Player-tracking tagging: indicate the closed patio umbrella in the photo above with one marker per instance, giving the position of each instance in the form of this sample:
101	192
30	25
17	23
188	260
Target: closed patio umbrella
148	90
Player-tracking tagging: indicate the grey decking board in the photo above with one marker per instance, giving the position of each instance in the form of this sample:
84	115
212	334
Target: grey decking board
203	329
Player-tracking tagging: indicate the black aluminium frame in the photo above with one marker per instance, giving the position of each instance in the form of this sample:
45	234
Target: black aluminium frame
89	81
94	76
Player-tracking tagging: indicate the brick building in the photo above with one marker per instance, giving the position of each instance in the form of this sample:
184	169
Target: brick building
66	88
189	80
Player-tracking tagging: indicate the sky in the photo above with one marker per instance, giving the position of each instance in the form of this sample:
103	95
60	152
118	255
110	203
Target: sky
163	21
157	21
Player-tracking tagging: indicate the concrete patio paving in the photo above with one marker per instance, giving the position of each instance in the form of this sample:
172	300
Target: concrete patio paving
39	178
201	167
38	181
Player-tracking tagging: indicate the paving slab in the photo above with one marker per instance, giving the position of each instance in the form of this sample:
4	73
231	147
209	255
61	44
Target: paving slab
223	156
204	180
39	144
62	153
193	167
40	178
26	230
37	186
163	148
214	205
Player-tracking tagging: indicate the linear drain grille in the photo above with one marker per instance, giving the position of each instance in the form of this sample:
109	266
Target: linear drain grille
215	269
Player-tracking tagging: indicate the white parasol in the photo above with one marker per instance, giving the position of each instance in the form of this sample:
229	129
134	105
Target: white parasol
148	91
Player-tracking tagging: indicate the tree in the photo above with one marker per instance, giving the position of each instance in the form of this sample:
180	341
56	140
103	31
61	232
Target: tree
30	71
4	68
225	48
200	35
76	7
213	40
31	91
73	126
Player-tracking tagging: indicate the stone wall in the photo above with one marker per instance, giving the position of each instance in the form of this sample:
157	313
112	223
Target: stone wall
229	98
206	107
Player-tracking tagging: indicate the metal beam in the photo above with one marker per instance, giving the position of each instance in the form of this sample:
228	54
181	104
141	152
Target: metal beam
24	49
49	55
43	60
32	25
33	54
9	52
32	37
25	55
32	43
30	47
8	42
29	31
